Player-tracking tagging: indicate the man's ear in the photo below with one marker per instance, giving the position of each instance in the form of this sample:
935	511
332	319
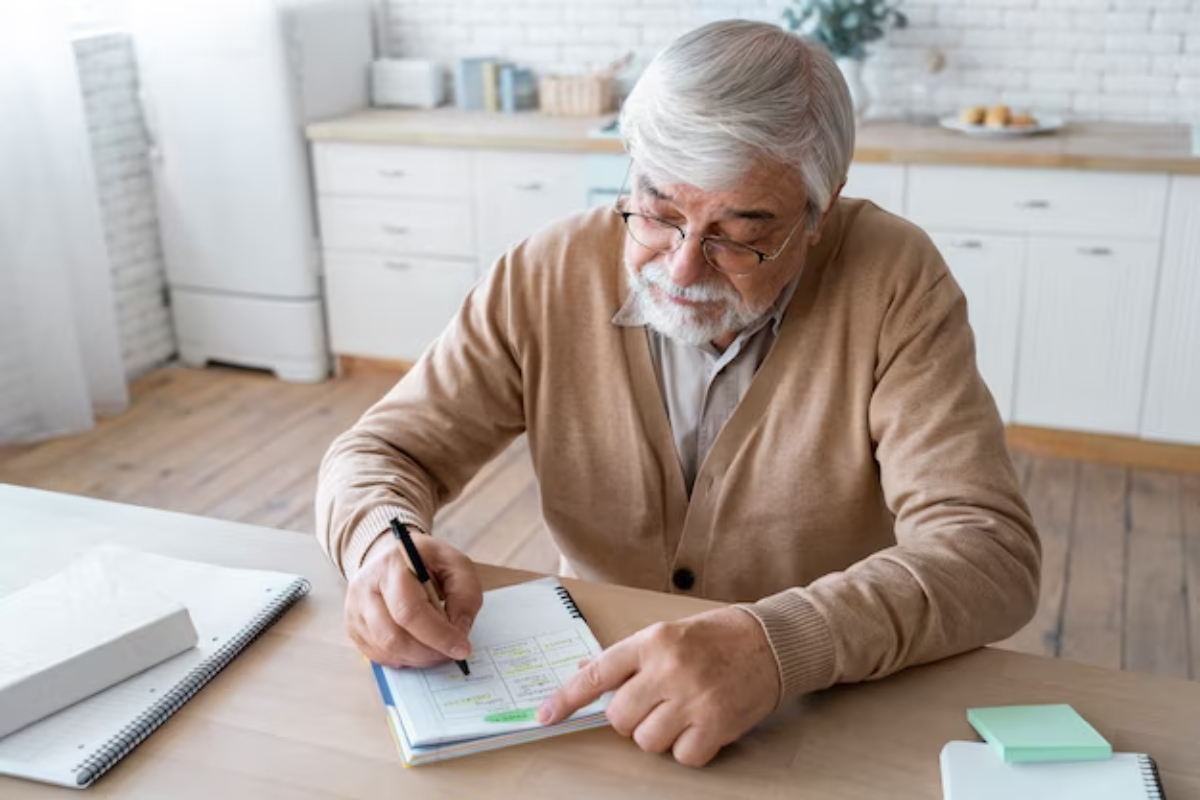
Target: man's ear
815	236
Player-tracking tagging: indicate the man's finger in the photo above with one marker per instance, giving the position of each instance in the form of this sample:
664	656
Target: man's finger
694	747
661	727
604	673
632	703
412	611
383	642
460	587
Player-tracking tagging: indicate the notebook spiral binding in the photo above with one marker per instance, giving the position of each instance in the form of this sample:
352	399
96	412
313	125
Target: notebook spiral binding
108	754
1150	776
569	602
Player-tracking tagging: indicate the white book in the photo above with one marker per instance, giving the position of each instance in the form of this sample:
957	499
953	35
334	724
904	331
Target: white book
974	771
229	609
526	642
80	631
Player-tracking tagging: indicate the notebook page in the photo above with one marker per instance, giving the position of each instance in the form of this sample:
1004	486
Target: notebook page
525	643
221	602
974	771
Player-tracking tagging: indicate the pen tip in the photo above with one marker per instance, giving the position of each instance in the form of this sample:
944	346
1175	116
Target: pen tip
465	669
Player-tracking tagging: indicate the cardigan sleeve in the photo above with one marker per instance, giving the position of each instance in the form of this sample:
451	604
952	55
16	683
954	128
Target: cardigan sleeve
965	568
415	449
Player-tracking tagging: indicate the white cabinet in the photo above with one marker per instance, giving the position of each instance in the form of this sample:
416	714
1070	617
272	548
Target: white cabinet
1085	331
1073	327
1076	341
882	184
1172	407
398	241
407	230
517	193
989	269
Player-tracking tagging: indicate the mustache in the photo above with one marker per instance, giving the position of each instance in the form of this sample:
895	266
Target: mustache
656	275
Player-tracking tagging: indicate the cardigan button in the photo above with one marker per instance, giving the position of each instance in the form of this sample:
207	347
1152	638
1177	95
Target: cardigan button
683	579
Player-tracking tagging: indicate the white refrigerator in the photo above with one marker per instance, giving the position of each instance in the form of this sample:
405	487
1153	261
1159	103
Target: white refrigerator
227	88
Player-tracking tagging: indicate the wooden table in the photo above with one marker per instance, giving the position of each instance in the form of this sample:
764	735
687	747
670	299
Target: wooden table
297	715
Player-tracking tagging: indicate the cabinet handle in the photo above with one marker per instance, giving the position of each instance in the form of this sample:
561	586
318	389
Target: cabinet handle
396	230
392	173
1033	204
397	264
1095	251
535	186
968	244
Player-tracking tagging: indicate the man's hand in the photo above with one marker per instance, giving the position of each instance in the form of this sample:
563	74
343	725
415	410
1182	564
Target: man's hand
392	621
691	686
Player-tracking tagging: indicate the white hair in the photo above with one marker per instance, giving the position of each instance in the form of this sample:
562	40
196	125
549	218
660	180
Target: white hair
724	96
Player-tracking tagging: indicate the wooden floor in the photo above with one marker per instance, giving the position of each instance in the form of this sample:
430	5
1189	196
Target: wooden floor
1121	573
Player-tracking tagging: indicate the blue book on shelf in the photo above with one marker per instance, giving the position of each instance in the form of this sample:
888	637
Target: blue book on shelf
468	83
508	95
518	89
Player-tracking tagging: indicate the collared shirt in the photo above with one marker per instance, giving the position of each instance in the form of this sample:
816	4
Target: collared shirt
702	386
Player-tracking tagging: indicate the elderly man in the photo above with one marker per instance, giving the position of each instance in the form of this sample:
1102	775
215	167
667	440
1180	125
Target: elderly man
735	386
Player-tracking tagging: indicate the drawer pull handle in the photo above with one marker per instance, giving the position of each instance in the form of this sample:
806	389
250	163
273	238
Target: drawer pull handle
397	264
392	173
1095	251
1033	204
535	186
395	230
968	244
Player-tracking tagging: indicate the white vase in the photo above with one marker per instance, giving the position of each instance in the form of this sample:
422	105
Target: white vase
859	96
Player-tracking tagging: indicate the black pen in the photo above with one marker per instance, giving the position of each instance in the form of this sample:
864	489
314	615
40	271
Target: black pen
417	566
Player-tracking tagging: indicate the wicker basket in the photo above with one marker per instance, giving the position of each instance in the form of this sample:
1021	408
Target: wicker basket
575	95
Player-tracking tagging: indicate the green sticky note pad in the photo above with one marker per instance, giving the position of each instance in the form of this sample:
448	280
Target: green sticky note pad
1039	733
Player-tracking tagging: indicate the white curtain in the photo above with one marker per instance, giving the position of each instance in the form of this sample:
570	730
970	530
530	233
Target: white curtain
60	361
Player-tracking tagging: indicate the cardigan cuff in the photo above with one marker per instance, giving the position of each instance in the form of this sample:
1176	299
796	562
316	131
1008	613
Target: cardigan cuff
801	640
374	525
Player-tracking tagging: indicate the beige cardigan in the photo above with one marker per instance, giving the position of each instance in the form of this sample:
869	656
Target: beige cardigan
861	499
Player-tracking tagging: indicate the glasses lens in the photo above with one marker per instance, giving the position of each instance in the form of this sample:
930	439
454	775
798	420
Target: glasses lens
731	257
653	234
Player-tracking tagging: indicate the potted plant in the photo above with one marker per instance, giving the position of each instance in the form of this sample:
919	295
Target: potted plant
845	27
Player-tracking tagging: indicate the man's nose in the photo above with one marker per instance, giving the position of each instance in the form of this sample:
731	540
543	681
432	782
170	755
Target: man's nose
687	265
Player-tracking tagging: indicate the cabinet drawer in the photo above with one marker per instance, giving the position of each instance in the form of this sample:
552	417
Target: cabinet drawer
425	227
1037	201
390	307
390	171
518	193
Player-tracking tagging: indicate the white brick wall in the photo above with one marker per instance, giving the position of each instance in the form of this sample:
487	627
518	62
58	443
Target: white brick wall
108	77
1134	60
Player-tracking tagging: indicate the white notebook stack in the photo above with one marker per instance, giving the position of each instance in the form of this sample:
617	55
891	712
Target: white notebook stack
74	746
79	631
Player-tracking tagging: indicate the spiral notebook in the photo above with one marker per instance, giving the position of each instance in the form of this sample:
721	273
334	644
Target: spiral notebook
229	608
527	641
973	771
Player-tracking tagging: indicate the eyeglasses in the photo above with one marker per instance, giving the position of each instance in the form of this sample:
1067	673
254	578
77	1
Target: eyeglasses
723	255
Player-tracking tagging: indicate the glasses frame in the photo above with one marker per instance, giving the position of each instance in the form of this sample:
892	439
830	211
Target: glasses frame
704	240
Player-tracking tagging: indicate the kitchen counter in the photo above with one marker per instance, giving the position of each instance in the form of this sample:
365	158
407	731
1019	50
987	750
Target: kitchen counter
1086	145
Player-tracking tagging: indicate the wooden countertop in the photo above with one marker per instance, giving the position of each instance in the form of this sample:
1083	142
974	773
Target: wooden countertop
297	716
1093	145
